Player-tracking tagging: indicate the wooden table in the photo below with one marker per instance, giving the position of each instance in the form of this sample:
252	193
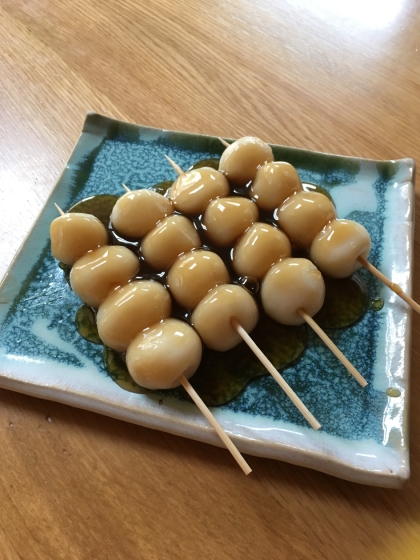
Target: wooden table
341	77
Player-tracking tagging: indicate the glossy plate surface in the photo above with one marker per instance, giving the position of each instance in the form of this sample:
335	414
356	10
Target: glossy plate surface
364	435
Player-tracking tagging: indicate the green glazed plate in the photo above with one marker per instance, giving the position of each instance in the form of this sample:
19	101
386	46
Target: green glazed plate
364	435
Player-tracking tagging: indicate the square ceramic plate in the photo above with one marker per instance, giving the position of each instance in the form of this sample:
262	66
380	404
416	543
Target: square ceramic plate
364	435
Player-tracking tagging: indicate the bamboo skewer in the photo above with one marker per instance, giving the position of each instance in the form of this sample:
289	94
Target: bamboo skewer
391	285
225	144
126	188
215	424
280	380
336	351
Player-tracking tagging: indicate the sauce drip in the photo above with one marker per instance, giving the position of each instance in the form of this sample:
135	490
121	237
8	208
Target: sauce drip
117	370
250	284
85	321
376	304
393	392
346	301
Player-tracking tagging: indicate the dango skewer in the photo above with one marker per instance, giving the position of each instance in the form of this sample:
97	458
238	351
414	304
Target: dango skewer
200	317
292	300
291	187
338	247
281	303
361	260
166	362
151	323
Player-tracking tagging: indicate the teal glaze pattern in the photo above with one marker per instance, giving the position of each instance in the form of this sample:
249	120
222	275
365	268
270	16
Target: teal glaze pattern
110	153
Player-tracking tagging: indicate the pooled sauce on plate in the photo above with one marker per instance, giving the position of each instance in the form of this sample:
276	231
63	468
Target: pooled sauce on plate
393	392
376	304
223	375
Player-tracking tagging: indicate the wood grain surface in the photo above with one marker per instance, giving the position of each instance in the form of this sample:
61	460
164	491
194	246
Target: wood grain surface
340	77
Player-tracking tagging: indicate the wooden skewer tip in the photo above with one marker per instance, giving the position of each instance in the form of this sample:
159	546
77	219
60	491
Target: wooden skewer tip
175	166
225	144
215	424
126	188
59	209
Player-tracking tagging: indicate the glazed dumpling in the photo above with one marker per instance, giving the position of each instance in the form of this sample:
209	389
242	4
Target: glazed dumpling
227	218
273	184
303	216
192	191
258	249
95	274
130	309
194	274
290	285
240	161
336	248
138	212
74	234
172	237
160	354
212	318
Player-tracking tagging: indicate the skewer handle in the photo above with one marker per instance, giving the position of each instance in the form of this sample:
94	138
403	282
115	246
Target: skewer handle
218	428
391	285
126	188
225	144
338	353
272	370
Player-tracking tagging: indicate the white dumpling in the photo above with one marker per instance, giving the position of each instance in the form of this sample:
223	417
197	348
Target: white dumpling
94	275
336	248
240	161
160	354
74	234
138	212
129	310
290	285
194	274
213	316
192	191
